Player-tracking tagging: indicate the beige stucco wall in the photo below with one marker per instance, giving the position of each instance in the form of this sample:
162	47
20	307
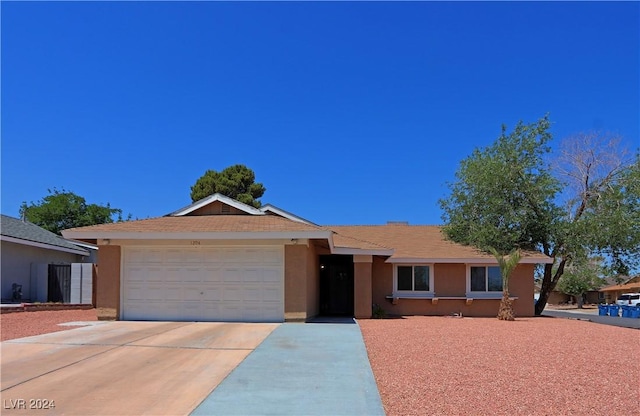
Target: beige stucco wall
450	281
107	288
296	259
362	291
313	282
16	260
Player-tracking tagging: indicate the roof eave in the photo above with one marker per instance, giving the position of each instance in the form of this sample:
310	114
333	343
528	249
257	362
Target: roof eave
200	235
466	260
361	251
78	251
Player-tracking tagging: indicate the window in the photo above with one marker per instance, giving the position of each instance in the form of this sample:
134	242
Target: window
485	279
414	278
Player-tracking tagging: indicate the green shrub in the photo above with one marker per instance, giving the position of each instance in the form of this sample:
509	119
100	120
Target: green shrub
378	312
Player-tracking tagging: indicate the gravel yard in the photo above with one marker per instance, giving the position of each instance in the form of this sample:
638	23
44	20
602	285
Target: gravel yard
25	324
482	366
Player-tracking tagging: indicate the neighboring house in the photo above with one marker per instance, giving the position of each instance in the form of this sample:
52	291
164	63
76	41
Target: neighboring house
557	297
611	293
27	250
221	260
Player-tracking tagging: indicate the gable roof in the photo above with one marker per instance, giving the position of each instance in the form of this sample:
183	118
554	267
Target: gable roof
401	242
422	243
21	232
214	198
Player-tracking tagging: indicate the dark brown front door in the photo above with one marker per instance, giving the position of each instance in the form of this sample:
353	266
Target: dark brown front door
336	285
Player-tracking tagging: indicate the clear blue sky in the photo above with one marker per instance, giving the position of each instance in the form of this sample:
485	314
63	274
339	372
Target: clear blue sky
349	113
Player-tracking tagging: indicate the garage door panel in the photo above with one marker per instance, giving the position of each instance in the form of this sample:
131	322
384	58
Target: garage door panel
184	274
212	274
271	275
155	274
231	275
251	275
272	256
204	283
175	293
252	294
136	293
211	256
155	292
271	295
231	311
136	274
232	293
212	294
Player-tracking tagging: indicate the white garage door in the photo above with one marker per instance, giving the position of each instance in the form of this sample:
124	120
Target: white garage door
203	283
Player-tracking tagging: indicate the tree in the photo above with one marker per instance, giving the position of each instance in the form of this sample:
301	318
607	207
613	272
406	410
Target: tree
63	209
506	196
582	276
237	182
508	264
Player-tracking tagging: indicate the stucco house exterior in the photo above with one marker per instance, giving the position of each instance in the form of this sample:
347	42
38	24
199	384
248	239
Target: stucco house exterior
612	292
26	248
221	260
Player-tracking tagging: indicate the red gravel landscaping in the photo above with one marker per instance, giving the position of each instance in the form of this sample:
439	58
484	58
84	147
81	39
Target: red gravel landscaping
482	366
25	324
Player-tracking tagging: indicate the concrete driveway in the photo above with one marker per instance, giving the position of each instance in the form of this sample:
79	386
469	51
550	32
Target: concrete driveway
123	368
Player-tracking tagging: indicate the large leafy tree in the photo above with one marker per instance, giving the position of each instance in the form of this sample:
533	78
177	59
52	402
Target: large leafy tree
63	209
508	196
237	182
582	276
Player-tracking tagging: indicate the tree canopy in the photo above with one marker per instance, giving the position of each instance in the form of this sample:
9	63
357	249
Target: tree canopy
583	275
237	182
63	209
508	196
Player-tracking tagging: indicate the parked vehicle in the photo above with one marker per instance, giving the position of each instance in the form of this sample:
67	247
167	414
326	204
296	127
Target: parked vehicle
630	299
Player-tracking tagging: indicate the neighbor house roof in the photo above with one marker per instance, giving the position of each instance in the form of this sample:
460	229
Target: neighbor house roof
205	226
424	243
23	232
633	286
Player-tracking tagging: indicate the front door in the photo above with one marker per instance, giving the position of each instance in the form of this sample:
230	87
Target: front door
336	285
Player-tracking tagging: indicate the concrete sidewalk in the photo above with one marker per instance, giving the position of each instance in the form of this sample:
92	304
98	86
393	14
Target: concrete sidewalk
301	369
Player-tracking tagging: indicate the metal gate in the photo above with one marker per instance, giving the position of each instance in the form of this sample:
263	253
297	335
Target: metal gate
59	283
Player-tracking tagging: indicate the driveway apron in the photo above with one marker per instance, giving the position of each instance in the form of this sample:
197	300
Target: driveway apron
123	368
301	369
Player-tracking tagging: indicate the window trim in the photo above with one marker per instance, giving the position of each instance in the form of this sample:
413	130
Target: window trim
490	294
413	293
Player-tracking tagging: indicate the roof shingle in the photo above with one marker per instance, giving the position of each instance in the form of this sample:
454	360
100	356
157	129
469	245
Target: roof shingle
13	227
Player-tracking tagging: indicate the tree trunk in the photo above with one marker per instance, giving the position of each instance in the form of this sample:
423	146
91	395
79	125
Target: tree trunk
579	301
506	308
549	282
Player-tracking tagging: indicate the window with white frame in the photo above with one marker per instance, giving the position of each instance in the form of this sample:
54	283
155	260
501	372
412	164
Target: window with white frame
414	278
485	279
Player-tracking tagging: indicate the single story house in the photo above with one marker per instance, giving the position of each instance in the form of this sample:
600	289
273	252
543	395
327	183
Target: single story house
221	260
630	285
557	297
27	250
